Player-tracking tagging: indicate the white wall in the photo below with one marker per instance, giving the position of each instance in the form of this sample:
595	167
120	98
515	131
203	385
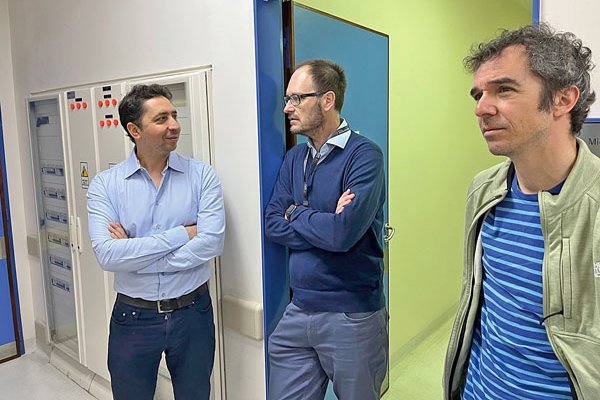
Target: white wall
61	43
581	18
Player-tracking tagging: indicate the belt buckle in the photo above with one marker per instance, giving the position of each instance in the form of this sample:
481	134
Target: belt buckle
164	309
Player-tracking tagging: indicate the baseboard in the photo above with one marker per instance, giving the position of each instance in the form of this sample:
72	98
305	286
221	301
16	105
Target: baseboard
422	335
100	388
8	350
40	342
70	367
31	345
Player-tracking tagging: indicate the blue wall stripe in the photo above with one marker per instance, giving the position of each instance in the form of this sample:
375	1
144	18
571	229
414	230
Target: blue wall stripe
535	12
10	251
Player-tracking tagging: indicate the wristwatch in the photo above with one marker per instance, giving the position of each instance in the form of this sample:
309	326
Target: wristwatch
289	211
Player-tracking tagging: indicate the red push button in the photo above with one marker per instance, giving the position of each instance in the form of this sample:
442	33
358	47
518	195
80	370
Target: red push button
114	102
100	103
78	106
72	106
107	102
84	104
101	123
108	122
116	122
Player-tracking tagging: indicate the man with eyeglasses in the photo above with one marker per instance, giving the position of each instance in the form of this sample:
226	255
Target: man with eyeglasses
327	208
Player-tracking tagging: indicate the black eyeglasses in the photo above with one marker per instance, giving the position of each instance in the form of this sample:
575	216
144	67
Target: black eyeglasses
296	98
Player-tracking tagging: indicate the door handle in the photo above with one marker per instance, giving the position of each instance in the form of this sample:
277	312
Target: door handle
72	232
79	237
388	233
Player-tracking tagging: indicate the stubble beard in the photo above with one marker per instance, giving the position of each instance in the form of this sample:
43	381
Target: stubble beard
314	121
513	149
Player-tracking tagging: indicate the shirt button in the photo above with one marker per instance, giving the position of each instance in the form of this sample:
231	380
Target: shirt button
157	226
163	295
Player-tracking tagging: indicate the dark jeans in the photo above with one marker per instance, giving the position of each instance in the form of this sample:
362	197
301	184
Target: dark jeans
139	336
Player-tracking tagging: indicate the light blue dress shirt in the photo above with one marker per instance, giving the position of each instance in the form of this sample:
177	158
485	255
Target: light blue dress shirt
338	140
158	260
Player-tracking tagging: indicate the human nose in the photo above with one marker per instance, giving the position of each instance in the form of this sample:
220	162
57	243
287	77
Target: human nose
173	124
485	106
288	107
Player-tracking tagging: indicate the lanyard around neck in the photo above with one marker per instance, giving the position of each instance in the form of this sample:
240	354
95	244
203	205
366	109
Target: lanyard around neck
313	165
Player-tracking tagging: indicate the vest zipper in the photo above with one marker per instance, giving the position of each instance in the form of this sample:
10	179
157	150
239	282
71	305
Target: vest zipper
461	332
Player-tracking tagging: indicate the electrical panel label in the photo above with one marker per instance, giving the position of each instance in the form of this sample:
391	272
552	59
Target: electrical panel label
85	177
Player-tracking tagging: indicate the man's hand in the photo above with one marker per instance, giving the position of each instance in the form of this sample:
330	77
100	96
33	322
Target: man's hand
191	230
344	200
117	231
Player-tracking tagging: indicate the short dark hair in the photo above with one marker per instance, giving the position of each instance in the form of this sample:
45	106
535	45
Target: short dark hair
327	76
131	108
559	59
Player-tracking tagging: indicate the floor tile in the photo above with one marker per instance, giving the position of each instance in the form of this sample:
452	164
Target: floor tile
418	375
32	377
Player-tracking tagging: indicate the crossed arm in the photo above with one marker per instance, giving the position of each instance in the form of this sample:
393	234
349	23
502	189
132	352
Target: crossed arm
355	209
117	232
286	236
176	249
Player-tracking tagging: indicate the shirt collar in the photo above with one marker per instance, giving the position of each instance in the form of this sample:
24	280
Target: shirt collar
337	140
132	164
176	162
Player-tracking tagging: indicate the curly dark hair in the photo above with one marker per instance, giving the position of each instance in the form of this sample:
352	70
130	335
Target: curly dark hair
559	59
131	108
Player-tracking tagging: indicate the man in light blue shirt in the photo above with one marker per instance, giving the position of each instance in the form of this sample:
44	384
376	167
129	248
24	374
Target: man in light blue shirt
156	220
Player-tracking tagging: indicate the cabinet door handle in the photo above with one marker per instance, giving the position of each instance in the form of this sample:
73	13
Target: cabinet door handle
79	237
72	232
388	233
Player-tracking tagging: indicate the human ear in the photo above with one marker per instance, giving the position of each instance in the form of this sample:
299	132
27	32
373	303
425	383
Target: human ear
328	101
133	130
565	99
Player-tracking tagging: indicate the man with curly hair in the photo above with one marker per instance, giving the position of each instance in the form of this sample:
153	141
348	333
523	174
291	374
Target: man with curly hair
528	324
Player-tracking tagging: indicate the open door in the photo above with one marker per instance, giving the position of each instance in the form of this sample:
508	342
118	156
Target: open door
364	55
10	338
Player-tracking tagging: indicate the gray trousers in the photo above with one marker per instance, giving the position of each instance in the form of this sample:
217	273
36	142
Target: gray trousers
307	349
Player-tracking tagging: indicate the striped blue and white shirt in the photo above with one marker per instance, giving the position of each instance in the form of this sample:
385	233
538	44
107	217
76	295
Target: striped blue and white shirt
511	356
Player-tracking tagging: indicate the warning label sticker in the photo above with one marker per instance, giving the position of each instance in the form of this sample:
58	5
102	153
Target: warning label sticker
85	177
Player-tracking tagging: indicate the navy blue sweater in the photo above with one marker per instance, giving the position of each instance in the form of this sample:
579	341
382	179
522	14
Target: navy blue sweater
336	260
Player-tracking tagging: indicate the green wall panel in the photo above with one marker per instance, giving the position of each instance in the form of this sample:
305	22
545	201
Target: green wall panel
435	145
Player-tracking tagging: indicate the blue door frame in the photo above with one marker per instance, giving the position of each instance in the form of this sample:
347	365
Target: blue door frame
271	148
10	319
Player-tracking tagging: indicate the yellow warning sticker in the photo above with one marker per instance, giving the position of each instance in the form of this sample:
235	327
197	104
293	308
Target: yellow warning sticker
85	177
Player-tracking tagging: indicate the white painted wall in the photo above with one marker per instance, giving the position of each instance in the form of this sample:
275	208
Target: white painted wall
62	43
581	18
11	126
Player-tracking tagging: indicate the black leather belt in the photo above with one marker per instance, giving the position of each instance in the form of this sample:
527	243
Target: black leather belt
166	305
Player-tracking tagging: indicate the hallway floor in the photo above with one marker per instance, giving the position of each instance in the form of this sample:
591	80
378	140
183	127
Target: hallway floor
418	376
32	377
